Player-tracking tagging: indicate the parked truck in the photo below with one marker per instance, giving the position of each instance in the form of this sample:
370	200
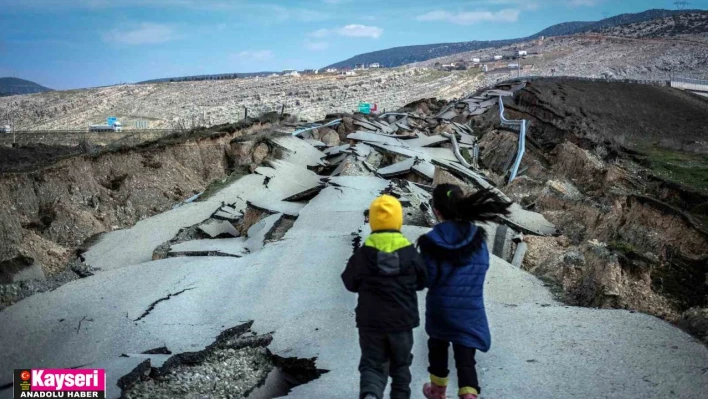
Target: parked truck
115	127
5	129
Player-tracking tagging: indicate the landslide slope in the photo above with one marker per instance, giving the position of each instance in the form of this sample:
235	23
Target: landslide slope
622	170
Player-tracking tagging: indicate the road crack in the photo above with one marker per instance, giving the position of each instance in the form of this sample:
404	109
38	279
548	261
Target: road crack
152	305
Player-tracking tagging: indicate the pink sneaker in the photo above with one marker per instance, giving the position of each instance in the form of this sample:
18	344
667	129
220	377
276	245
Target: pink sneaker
432	391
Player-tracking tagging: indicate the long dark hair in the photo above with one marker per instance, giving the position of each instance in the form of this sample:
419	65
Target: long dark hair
483	206
453	205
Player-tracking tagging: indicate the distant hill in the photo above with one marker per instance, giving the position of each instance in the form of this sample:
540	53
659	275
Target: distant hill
669	27
14	86
221	76
408	54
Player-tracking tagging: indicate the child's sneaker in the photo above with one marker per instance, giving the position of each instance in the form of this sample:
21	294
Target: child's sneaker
372	396
432	391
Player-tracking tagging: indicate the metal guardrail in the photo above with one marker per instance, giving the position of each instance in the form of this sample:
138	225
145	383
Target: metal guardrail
702	82
690	84
522	124
317	126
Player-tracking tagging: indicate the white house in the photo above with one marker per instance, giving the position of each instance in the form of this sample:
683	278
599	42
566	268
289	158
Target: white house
476	60
498	57
375	65
523	53
331	70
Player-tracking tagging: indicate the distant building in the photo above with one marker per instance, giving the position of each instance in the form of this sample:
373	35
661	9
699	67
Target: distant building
290	72
498	57
359	66
375	65
523	53
476	60
331	70
309	72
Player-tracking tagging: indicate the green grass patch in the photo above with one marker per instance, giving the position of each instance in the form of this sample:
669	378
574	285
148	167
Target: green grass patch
687	169
219	184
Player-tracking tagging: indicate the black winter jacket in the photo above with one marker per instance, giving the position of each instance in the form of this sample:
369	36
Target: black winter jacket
386	272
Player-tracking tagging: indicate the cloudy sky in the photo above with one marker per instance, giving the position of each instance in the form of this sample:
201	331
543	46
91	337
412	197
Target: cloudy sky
66	44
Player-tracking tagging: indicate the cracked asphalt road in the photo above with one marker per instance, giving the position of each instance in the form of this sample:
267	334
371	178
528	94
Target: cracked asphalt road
292	287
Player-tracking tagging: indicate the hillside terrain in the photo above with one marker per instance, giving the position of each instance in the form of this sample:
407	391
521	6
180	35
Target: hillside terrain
212	102
409	54
15	86
645	51
221	76
623	173
688	25
654	50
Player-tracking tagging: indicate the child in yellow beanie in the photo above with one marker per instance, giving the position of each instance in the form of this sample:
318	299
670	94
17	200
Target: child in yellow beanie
386	272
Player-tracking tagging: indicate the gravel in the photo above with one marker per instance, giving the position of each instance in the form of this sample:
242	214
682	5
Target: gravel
225	373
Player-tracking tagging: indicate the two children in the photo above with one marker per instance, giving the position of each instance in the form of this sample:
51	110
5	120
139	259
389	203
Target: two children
386	273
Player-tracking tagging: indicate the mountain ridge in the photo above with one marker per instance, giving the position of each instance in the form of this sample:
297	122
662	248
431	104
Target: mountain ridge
10	86
402	55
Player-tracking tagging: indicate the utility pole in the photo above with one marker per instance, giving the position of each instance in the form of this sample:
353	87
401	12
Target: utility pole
519	74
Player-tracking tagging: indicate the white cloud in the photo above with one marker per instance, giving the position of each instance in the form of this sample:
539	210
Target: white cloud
471	17
583	3
356	30
316	45
250	55
352	30
525	4
146	33
320	33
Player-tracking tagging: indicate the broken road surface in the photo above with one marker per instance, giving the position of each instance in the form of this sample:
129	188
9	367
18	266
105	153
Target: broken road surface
292	287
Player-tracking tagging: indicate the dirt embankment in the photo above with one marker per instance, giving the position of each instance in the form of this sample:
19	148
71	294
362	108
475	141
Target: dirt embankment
631	238
630	115
53	212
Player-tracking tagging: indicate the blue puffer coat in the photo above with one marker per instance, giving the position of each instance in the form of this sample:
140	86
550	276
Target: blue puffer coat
457	259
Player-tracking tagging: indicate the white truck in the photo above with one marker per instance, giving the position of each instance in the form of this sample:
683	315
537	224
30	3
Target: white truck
116	127
5	129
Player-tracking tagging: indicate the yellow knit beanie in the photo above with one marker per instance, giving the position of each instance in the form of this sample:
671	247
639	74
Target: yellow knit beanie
385	213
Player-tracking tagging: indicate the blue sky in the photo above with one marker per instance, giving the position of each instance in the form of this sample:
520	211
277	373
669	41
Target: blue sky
67	44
